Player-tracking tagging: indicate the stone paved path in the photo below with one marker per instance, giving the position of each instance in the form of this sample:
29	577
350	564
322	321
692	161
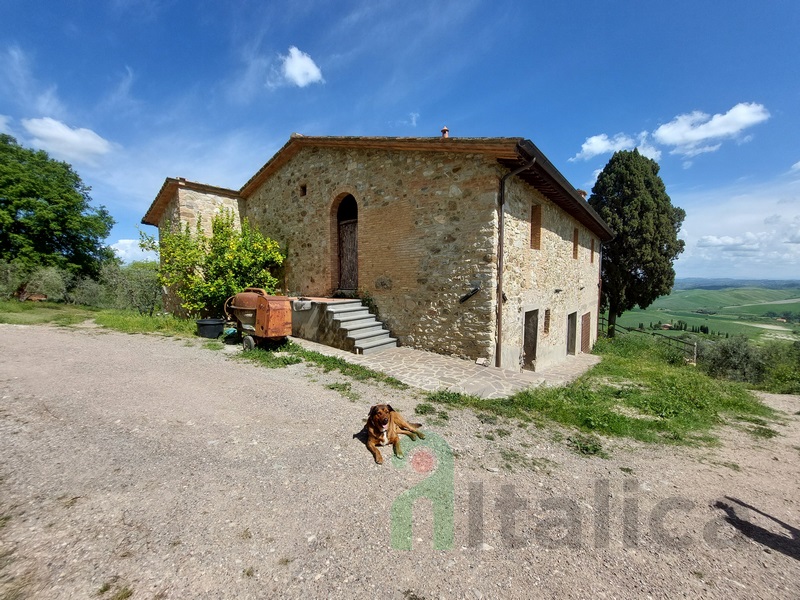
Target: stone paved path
430	372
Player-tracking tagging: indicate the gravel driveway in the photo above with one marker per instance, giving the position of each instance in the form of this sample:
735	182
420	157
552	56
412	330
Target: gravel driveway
151	467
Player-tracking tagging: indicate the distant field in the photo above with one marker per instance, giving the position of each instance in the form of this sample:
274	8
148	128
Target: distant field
737	311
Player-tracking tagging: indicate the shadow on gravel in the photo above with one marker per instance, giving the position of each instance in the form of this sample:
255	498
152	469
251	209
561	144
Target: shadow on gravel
790	546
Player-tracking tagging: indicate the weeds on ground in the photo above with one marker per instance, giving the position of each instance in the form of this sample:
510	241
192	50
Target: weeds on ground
587	445
673	403
513	459
345	389
268	358
759	431
333	363
423	408
122	594
128	321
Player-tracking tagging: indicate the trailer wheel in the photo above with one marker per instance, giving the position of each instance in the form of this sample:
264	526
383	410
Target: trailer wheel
248	343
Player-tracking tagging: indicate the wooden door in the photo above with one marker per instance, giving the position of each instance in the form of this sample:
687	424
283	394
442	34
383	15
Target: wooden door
586	332
348	255
572	332
529	340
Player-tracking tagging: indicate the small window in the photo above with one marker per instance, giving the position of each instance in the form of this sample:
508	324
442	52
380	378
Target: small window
575	234
546	328
591	258
303	189
536	226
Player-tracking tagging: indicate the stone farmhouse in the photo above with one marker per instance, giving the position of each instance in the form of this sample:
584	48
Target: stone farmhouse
471	247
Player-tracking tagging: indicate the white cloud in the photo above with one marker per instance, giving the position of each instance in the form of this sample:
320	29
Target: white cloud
742	231
602	144
696	132
747	242
17	82
689	135
646	148
128	251
4	124
79	145
299	68
796	166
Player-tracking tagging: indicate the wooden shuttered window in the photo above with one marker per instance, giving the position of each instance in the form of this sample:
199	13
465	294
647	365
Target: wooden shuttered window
575	239
536	226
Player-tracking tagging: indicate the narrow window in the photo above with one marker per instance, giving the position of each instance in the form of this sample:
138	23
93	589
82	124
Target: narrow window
303	189
575	243
591	259
536	226
546	328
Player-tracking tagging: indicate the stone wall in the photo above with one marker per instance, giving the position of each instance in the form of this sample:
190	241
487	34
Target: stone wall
426	237
187	204
546	279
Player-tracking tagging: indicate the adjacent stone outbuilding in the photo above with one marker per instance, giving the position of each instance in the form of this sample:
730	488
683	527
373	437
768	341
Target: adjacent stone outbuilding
434	231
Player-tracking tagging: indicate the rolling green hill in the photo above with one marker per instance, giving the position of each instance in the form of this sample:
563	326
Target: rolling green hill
746	309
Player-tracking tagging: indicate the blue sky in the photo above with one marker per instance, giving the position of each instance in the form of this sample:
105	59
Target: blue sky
133	91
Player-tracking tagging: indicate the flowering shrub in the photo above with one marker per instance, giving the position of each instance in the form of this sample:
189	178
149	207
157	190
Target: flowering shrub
205	271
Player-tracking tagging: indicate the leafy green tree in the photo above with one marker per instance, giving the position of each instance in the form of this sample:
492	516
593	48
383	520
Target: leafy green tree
203	272
132	286
637	263
45	215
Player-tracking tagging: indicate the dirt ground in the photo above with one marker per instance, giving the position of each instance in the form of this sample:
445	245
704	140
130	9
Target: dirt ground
151	467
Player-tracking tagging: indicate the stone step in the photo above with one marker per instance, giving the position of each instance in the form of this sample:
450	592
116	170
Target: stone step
345	307
347	318
366	333
376	345
360	324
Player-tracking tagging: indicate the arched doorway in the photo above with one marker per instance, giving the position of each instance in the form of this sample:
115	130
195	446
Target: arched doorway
347	225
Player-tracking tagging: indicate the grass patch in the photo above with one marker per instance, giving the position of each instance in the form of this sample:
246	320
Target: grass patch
587	445
122	594
268	358
128	321
345	389
423	408
214	345
333	363
39	313
667	402
759	431
513	459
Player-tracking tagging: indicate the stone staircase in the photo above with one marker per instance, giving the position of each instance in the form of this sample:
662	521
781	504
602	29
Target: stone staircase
358	329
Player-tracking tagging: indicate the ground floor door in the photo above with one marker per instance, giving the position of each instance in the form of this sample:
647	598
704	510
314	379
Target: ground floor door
529	342
347	224
572	332
586	333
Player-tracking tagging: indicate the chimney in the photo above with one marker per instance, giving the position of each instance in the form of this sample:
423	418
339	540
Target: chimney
445	132
582	193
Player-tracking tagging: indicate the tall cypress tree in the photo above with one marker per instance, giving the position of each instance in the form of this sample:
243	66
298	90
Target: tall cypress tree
637	264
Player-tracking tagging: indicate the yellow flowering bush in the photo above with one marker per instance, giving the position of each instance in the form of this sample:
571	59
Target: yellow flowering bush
205	271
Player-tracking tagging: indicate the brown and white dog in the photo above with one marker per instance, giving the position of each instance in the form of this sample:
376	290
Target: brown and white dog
384	426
